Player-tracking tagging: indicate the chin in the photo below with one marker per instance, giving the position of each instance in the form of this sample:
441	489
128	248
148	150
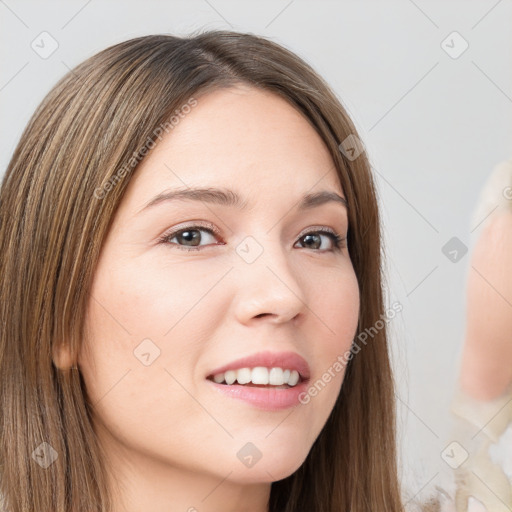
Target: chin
269	468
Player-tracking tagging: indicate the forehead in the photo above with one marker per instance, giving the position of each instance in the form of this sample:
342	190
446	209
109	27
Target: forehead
242	138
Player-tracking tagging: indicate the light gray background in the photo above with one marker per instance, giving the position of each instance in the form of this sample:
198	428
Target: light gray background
434	127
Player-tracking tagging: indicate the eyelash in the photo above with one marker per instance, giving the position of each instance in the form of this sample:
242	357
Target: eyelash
338	240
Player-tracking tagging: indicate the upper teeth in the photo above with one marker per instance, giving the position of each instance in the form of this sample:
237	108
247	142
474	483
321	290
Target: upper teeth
259	375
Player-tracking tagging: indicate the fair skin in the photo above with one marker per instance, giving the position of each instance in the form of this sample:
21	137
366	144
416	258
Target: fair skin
170	440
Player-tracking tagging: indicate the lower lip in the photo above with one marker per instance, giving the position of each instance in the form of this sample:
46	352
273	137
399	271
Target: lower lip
267	399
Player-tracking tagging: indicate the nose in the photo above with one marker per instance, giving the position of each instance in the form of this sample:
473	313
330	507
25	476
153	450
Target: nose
269	287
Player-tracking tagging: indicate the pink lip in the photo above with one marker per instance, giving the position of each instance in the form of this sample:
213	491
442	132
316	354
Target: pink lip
267	399
284	360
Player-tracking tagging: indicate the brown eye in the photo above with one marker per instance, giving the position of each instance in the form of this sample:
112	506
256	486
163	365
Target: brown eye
188	238
314	241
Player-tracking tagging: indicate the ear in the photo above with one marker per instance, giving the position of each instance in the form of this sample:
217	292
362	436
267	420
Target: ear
62	357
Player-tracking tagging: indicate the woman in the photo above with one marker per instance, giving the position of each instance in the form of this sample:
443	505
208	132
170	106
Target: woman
174	206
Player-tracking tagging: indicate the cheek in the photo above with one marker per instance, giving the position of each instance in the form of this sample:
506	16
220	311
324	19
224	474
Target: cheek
336	308
149	297
345	310
145	317
140	354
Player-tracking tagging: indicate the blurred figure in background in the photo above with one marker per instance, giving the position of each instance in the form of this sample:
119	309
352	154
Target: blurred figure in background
482	403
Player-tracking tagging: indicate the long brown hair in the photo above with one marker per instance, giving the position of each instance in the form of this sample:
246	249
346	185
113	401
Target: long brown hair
60	192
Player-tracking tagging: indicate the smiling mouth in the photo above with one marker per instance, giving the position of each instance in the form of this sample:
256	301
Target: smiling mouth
251	385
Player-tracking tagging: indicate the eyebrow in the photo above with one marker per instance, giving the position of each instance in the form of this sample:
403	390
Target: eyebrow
228	197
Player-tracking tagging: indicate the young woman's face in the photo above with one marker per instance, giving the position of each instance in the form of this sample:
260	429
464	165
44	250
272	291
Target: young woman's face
265	279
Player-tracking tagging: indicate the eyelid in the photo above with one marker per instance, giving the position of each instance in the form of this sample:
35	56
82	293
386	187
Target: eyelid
190	224
309	229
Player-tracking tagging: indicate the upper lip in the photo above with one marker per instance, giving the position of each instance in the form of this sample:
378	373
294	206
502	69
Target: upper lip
284	360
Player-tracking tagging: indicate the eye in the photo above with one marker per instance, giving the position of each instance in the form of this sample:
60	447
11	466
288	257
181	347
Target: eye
313	236
191	237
